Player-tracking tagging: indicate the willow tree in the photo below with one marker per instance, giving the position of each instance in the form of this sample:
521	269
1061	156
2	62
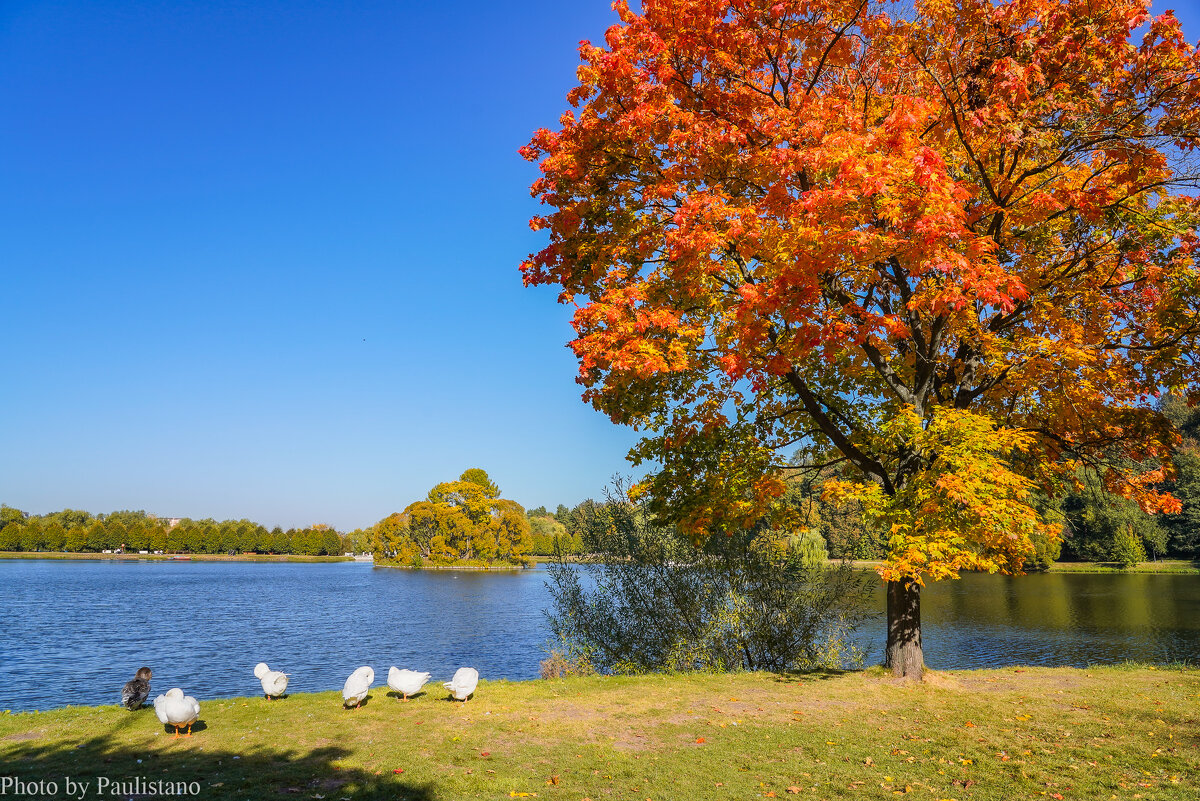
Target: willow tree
948	249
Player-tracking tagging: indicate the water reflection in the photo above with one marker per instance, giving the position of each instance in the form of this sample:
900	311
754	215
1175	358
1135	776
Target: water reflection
1061	619
74	632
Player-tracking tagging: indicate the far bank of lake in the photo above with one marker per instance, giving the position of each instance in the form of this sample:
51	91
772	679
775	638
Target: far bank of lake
176	557
203	625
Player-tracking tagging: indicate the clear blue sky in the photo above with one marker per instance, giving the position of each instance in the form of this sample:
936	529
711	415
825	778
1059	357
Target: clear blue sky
259	259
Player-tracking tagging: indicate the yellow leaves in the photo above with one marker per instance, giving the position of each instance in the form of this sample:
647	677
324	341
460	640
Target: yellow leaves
966	510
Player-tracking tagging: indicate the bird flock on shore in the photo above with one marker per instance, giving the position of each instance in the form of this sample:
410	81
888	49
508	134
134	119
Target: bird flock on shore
180	711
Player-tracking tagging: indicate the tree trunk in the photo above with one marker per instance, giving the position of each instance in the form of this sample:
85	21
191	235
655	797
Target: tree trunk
904	655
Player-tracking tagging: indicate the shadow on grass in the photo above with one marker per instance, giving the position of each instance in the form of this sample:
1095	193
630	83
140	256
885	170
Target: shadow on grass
366	700
112	769
822	674
199	725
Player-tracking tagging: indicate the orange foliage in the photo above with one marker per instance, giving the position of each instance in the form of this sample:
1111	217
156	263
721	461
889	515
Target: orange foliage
794	223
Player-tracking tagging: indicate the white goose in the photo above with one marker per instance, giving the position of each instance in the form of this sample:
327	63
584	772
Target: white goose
406	682
357	686
463	684
176	709
274	683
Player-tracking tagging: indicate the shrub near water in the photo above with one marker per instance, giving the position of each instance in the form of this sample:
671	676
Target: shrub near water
647	600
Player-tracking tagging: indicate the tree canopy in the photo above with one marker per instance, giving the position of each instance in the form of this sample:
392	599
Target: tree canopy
77	531
947	247
463	520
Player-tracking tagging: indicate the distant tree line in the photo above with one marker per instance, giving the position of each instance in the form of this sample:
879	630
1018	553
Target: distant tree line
76	531
561	531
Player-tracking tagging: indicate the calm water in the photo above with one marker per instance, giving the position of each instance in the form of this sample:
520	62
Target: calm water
74	632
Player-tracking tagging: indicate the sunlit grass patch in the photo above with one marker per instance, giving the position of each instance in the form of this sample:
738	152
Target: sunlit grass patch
994	734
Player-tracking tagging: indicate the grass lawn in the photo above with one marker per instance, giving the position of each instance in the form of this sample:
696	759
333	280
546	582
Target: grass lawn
1161	566
1036	733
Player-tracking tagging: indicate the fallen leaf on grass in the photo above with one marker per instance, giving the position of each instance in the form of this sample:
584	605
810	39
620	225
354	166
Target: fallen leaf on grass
485	753
397	770
515	794
552	780
701	740
793	790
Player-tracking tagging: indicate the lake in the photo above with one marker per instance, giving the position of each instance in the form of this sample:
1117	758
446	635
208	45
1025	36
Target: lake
73	632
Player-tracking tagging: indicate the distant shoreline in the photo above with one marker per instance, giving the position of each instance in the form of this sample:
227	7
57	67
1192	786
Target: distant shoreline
168	557
510	568
1161	567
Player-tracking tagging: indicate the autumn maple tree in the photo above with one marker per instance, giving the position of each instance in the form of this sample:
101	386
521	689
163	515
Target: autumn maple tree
947	247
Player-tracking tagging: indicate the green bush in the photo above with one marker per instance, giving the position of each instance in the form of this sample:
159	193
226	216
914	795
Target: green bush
1127	549
644	600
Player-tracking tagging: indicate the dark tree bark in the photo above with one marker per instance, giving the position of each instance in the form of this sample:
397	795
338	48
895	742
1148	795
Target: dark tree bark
904	655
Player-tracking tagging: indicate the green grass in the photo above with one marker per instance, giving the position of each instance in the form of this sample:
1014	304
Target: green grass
1037	733
1161	566
195	557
